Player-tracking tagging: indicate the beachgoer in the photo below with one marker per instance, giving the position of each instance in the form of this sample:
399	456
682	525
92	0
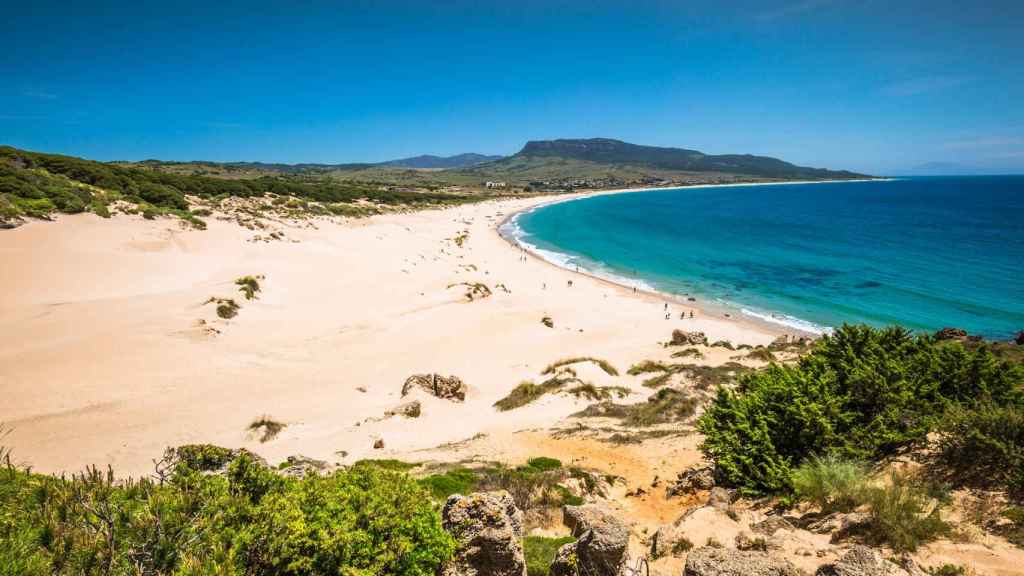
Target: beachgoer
691	313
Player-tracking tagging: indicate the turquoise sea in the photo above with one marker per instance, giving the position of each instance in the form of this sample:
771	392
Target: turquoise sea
921	252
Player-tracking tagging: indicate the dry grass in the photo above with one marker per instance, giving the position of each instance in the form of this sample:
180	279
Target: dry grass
265	428
603	364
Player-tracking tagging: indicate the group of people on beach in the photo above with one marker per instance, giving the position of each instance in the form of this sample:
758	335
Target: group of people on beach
668	315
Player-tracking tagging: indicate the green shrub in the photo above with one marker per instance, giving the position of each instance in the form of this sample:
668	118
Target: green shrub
831	482
249	521
363	521
388	464
455	481
861	393
540	552
543	464
948	570
904	515
984	444
248	285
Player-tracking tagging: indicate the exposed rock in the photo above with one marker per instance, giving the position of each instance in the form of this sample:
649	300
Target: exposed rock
547	321
407	409
951	334
299	466
709	561
745	541
692	480
600	548
669	540
771	525
863	561
839	525
450	388
684	338
1019	340
378	444
489	530
719	498
579	519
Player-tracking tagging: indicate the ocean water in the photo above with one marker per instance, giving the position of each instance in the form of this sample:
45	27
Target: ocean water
921	252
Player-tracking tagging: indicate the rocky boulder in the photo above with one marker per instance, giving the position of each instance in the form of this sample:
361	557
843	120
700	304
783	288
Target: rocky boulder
299	466
448	388
407	409
684	338
600	548
771	525
863	561
709	561
692	480
1019	340
489	530
951	334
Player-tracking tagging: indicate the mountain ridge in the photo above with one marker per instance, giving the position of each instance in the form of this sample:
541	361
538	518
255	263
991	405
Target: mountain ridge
617	152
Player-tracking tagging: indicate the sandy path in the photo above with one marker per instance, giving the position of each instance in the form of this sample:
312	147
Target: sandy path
102	360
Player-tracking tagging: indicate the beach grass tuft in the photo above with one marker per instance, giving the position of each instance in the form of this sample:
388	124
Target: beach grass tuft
603	364
266	428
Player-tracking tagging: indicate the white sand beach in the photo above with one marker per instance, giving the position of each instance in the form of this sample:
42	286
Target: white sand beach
105	360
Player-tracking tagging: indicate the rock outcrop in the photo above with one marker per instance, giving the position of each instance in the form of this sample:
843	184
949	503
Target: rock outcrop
488	529
684	338
771	525
692	480
709	561
407	409
1019	340
600	548
863	561
951	334
299	466
448	388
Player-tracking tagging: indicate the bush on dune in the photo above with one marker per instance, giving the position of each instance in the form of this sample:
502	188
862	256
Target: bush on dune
830	482
861	393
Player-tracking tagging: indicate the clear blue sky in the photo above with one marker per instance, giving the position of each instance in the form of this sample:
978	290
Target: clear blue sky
869	85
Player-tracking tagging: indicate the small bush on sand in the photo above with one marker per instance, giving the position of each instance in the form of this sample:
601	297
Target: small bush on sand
540	552
904	514
265	428
831	482
227	308
388	464
249	285
689	353
543	464
666	405
455	481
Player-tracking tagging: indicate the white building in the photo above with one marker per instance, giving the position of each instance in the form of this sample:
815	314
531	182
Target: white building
495	184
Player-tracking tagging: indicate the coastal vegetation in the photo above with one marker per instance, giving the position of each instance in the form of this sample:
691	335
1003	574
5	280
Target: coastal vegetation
34	184
249	520
865	393
249	286
603	364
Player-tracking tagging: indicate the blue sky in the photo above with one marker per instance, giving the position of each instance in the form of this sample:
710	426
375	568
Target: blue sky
870	85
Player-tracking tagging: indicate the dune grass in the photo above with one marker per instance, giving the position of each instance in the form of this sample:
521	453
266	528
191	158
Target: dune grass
266	428
603	364
526	392
646	367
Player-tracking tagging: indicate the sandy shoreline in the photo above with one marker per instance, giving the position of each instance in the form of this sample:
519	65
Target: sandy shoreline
778	327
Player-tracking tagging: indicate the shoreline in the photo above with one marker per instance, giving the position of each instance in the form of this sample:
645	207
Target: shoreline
724	311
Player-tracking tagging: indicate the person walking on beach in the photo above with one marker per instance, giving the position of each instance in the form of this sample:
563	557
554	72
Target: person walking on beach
691	313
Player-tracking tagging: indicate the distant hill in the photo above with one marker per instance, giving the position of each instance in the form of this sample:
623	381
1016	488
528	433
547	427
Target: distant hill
443	162
606	151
